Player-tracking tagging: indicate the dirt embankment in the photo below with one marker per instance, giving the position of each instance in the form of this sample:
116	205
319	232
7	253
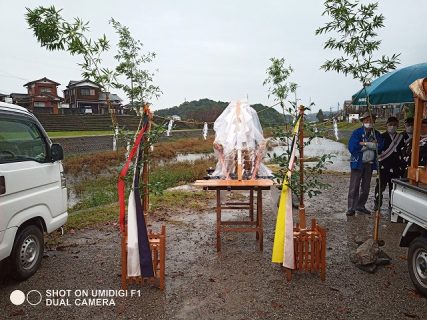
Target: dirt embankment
239	283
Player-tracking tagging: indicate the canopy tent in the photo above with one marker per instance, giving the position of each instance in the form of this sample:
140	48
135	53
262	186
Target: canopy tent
392	87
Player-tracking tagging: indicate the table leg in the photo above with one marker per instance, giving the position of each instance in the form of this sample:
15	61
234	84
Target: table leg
251	204
218	220
259	219
257	216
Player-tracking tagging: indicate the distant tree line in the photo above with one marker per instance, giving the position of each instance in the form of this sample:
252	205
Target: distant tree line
206	110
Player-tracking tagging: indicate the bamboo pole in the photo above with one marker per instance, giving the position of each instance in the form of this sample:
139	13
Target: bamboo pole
145	170
301	166
378	209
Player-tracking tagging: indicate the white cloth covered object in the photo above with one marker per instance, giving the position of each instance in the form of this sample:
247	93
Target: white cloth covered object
239	136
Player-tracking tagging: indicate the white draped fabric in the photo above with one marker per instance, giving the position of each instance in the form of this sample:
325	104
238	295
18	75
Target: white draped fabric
238	131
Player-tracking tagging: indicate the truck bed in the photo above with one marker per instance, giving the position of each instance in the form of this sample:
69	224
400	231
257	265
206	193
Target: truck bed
409	202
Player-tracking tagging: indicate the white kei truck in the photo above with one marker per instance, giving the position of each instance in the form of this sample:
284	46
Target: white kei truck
409	197
33	194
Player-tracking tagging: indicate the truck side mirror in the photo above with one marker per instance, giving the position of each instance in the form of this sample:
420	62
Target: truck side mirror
56	151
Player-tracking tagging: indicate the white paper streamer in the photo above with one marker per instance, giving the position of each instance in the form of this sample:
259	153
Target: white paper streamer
317	138
127	149
336	129
133	265
115	138
170	125
205	130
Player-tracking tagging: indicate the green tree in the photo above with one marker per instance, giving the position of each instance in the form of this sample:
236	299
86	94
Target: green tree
277	77
280	88
320	116
54	33
353	31
353	27
131	60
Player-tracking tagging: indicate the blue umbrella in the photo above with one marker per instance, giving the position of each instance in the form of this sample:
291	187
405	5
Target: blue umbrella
392	87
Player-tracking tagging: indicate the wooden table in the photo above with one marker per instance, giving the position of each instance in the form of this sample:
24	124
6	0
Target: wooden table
241	225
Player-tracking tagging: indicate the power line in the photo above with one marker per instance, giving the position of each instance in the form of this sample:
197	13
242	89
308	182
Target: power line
13	76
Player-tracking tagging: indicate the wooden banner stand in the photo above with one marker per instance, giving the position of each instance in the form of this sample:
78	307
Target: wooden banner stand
309	244
309	250
157	241
158	252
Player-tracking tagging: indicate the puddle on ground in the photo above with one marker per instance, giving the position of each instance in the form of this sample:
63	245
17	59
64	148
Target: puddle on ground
319	147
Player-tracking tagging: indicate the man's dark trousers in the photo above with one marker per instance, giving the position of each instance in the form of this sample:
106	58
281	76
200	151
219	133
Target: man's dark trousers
360	182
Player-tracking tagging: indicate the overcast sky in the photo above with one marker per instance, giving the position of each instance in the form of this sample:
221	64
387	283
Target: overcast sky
217	49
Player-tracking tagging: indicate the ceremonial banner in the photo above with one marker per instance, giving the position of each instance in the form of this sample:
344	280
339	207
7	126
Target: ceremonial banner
139	260
139	253
121	180
283	246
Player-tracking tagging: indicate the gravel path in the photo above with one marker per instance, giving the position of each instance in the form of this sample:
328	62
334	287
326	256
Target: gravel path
240	283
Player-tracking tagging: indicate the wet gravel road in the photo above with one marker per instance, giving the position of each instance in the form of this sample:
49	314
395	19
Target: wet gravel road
239	283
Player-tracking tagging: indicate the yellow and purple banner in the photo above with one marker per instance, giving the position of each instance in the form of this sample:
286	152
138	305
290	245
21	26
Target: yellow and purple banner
283	246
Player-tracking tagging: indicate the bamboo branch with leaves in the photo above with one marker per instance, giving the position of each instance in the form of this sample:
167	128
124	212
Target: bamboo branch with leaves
353	27
280	88
131	60
56	34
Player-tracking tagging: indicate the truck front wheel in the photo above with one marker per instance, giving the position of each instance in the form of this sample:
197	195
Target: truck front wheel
27	252
417	264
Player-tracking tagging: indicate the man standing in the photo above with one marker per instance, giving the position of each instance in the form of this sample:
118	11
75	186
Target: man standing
391	160
364	144
407	139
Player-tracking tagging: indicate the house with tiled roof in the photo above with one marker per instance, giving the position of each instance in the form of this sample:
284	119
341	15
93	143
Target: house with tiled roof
86	96
41	97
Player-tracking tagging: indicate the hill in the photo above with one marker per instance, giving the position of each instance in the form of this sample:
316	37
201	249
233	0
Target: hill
206	110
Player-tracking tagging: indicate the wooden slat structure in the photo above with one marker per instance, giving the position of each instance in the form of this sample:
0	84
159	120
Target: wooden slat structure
309	243
418	174
250	225
158	252
309	250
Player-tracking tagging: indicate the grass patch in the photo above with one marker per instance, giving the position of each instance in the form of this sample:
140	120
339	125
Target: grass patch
95	192
170	148
96	163
344	140
93	216
93	163
174	174
67	134
181	200
98	190
167	202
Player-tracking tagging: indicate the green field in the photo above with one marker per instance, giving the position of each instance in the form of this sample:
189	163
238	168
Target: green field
65	134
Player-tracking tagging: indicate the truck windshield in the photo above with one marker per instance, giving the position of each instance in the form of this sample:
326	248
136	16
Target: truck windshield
21	141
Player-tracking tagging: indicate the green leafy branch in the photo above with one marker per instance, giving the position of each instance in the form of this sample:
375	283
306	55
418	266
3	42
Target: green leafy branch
280	88
354	32
141	89
56	34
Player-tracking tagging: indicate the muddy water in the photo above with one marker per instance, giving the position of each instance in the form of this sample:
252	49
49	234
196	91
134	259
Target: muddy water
321	146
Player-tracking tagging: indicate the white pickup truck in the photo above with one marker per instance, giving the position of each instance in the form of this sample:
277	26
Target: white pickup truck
33	195
409	196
